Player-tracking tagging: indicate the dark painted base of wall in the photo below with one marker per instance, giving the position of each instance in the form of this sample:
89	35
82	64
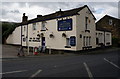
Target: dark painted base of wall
56	51
13	44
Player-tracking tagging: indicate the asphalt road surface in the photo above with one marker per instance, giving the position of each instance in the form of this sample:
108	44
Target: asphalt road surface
92	66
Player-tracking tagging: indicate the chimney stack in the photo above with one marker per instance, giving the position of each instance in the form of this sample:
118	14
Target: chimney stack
24	18
39	16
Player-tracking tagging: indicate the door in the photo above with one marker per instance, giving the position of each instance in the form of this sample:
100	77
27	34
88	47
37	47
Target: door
43	41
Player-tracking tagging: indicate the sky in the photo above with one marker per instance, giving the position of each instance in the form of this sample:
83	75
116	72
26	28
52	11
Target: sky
13	11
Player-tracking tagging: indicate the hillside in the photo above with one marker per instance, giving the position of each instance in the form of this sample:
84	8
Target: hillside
7	29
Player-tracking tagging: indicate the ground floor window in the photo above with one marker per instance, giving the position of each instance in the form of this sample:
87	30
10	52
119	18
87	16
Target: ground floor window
97	41
86	41
67	41
89	40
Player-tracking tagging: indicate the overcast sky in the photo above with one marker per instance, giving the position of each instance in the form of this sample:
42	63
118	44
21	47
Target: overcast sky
13	11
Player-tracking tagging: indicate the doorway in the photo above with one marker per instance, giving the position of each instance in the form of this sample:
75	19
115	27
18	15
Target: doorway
43	41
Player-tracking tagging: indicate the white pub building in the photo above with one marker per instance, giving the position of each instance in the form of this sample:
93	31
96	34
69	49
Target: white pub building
72	30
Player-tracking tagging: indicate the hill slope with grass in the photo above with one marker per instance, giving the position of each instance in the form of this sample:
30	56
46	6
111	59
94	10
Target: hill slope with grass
7	29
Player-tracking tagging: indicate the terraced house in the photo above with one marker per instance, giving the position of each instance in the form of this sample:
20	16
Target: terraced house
72	30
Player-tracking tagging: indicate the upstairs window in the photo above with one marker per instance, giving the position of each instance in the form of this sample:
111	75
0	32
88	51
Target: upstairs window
86	23
43	28
34	26
110	22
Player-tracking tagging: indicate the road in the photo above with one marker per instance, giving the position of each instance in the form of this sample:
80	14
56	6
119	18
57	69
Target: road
92	66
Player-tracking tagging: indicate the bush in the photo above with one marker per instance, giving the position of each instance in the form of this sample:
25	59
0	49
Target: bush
116	42
7	29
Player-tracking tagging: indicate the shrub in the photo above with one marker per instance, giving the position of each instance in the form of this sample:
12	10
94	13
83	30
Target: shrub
115	42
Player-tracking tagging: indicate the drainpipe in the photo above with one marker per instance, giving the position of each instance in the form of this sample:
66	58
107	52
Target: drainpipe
21	35
104	37
27	41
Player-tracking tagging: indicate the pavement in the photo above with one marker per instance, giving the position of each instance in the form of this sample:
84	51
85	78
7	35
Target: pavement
10	51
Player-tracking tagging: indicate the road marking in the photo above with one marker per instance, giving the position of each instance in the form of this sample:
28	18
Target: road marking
36	73
13	72
88	71
111	63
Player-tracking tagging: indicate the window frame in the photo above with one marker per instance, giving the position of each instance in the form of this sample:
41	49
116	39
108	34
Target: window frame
34	26
43	28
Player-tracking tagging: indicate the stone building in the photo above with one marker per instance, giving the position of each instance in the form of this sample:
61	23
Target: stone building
110	23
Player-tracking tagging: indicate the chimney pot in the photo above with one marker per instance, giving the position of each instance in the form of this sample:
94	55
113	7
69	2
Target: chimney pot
38	16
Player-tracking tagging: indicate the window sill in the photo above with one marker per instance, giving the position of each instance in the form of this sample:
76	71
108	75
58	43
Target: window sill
67	47
43	30
87	31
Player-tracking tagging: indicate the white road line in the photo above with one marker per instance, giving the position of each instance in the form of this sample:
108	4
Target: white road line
111	63
13	72
88	71
36	73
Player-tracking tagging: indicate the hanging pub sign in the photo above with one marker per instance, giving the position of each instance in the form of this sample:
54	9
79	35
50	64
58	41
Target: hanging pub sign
73	41
65	25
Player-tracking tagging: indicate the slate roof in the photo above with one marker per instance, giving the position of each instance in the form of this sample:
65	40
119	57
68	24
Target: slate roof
59	14
109	17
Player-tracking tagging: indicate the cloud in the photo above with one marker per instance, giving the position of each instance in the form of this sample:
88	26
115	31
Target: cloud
14	11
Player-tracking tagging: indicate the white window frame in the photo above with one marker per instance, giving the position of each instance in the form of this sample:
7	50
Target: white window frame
43	28
110	22
34	26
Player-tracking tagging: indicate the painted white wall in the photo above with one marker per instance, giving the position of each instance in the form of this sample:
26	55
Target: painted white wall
58	42
15	37
80	21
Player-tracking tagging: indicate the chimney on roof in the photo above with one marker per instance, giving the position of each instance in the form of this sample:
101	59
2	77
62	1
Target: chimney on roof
60	10
38	16
24	18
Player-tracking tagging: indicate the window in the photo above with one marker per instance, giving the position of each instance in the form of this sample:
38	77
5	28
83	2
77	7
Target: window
34	26
110	21
43	28
107	36
97	41
89	41
67	42
86	24
84	41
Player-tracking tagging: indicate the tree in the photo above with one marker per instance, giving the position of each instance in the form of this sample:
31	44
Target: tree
7	29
